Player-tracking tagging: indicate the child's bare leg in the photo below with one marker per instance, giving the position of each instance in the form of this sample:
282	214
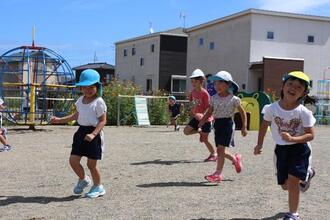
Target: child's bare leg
3	140
76	166
205	140
229	156
293	188
188	130
221	158
91	164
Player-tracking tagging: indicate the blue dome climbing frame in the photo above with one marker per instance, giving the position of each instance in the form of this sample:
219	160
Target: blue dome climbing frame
35	83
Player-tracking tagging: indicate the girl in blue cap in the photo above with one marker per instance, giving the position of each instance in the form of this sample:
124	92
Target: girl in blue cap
222	107
174	109
88	141
292	130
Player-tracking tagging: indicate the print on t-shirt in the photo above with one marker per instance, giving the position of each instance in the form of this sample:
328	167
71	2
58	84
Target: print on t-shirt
290	127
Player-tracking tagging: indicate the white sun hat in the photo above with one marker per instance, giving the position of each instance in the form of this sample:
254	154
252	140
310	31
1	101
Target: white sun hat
225	76
197	73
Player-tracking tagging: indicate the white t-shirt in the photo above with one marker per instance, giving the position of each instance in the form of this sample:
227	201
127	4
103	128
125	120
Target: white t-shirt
89	113
224	107
291	121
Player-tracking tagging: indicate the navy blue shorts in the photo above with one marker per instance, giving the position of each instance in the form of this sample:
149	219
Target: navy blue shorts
80	147
292	159
206	128
223	132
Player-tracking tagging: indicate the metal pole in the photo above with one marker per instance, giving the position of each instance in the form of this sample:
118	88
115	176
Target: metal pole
118	110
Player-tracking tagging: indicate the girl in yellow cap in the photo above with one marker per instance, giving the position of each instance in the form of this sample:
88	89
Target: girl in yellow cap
292	130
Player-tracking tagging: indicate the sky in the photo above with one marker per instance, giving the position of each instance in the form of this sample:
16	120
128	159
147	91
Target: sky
80	29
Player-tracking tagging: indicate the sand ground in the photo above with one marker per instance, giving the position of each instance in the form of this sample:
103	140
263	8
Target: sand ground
151	173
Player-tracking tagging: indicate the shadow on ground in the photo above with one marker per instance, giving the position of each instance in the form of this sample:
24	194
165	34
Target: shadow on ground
7	200
180	184
279	215
165	162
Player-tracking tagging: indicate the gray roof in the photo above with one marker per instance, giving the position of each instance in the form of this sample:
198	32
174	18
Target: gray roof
260	12
172	32
94	66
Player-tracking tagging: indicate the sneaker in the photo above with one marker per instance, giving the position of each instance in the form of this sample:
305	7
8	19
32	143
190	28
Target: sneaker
304	186
238	163
177	128
214	178
96	191
211	158
2	149
7	147
81	185
290	216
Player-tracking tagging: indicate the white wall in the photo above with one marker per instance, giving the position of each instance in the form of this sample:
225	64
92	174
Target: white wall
231	52
128	68
291	41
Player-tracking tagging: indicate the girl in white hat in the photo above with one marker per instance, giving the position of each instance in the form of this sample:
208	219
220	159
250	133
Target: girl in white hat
222	107
200	100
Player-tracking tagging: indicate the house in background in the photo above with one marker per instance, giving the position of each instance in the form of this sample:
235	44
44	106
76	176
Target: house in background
259	46
154	61
106	71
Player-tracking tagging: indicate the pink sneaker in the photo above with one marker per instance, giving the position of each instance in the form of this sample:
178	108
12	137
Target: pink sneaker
238	163
213	178
211	158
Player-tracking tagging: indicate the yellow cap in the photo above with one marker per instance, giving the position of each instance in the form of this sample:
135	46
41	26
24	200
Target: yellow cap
299	75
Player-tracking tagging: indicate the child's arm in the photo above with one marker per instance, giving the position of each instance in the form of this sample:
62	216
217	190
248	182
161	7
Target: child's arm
308	136
63	120
99	127
261	135
207	114
243	117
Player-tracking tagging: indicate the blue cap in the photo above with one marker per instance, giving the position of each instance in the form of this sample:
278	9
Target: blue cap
89	77
172	97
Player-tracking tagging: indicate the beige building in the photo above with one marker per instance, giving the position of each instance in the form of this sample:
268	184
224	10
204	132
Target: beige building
259	46
152	60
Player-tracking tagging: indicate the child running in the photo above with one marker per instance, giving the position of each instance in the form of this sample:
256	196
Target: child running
200	100
3	131
223	105
174	109
88	141
292	129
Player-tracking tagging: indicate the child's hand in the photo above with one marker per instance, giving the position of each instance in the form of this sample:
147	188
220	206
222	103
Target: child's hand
89	137
244	132
201	123
257	150
54	120
286	136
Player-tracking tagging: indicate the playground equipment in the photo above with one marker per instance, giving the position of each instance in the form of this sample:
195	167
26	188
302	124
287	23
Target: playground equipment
35	83
253	104
323	103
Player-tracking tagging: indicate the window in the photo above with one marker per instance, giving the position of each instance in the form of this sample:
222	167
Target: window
310	39
211	45
311	83
179	85
149	85
270	35
108	78
243	86
152	48
141	61
133	51
125	53
201	41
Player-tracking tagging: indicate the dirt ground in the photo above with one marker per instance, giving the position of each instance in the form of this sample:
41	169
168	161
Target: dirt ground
151	173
